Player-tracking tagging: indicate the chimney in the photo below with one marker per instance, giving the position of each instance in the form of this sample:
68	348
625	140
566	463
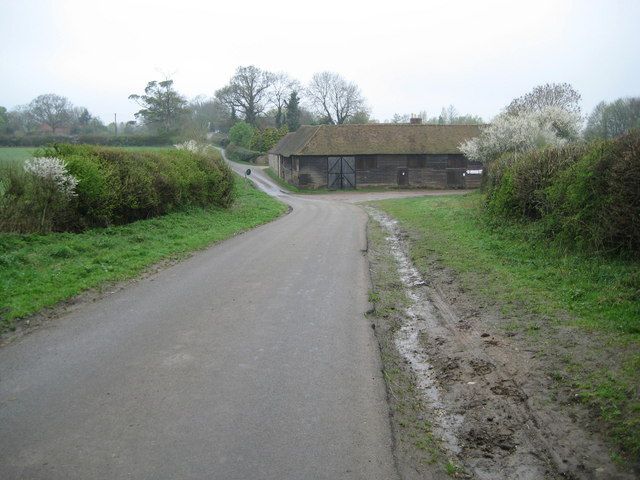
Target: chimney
415	120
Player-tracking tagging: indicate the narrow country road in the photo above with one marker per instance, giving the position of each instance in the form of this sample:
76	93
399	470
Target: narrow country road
250	360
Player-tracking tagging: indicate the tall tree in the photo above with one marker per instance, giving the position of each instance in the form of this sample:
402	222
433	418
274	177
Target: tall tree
293	112
51	109
281	89
248	92
162	106
608	120
558	95
334	97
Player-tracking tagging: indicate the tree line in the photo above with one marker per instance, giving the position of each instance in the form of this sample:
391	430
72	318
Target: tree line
265	99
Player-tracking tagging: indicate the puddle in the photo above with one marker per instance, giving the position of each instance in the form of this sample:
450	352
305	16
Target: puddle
419	319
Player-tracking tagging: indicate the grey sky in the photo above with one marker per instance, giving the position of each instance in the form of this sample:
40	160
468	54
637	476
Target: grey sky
406	56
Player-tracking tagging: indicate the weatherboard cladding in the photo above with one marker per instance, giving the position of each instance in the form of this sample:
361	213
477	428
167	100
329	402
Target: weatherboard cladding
371	139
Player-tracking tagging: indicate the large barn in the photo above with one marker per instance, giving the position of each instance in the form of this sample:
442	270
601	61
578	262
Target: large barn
401	155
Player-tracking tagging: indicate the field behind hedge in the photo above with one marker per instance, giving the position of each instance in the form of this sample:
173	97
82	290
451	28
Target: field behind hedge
17	155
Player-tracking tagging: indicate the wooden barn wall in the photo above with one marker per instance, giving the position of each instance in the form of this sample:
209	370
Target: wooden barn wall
311	171
429	171
385	172
473	180
286	171
432	175
274	163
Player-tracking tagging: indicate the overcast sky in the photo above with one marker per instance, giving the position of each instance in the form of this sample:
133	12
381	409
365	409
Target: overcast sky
406	56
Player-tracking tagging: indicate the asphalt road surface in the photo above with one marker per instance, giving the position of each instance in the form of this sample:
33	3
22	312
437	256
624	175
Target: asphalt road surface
250	360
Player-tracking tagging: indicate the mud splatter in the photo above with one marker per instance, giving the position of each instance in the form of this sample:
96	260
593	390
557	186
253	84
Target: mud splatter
472	383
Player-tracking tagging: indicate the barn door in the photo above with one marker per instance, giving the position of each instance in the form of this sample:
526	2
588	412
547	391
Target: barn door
341	172
455	178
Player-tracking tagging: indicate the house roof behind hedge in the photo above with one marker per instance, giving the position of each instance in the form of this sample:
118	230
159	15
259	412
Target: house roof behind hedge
373	139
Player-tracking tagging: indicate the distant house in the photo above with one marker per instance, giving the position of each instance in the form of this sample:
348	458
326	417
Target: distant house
351	156
45	128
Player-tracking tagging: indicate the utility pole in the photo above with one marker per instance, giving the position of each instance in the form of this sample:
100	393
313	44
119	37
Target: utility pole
115	122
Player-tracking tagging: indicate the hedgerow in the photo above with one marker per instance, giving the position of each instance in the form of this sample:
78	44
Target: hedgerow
240	154
584	196
138	140
114	186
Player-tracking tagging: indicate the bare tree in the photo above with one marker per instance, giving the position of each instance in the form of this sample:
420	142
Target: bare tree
247	92
560	95
209	114
334	97
281	89
51	109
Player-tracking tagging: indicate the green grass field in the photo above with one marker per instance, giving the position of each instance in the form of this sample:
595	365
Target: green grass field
540	289
38	271
17	155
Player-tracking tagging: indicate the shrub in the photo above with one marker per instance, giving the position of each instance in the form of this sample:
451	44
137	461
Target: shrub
40	198
595	203
241	134
116	186
239	154
40	140
265	139
583	196
516	182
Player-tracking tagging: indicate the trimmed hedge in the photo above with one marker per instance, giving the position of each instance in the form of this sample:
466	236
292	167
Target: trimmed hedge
118	186
91	139
585	196
240	154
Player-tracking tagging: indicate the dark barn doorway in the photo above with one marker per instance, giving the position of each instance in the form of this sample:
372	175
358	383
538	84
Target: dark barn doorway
341	173
455	178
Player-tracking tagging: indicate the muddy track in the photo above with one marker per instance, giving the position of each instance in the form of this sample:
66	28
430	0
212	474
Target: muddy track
487	396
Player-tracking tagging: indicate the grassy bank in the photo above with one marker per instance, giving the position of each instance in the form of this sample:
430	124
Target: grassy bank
42	270
540	289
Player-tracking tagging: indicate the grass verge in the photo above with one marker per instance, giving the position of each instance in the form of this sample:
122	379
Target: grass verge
541	289
38	271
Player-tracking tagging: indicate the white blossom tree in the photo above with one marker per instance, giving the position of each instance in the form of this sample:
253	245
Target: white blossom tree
528	130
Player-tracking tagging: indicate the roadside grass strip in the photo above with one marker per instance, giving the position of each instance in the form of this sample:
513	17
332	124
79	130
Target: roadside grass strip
38	271
540	289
